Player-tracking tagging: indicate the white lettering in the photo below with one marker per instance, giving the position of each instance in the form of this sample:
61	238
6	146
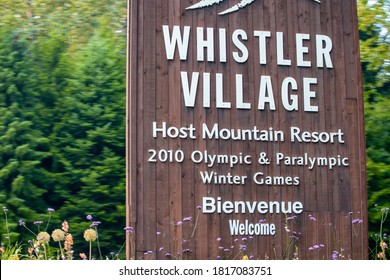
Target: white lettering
236	41
262	45
308	94
239	94
176	40
280	50
207	44
290	104
266	87
311	162
301	50
246	228
316	137
324	47
212	205
189	92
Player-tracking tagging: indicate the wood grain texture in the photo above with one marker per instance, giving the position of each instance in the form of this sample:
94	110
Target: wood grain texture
163	198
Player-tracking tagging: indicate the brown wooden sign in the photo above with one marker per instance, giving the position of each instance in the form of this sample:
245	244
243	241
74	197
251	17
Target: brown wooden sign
245	130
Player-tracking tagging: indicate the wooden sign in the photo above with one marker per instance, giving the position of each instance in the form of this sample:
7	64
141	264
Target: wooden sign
245	130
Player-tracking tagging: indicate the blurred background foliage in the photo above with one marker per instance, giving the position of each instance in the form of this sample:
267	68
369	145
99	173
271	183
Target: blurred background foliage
374	26
62	114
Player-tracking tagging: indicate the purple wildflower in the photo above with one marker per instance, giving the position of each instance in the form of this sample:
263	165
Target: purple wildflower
199	207
129	230
291	218
38	223
221	247
244	239
89	217
187	219
315	247
218	257
158	233
95	224
357	221
161	249
186	251
21	223
311	217
335	255
167	254
51	210
219	239
179	223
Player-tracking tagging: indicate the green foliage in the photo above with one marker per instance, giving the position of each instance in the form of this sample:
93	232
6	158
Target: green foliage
90	137
62	115
23	145
374	26
11	253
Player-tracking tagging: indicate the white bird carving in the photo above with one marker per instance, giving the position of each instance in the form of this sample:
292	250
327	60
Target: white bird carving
242	4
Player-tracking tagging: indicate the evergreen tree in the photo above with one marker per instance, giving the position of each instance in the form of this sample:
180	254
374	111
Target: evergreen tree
374	26
23	146
62	115
89	140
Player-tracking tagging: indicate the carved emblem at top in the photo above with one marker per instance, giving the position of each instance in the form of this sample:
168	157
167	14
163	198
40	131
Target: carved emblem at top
242	4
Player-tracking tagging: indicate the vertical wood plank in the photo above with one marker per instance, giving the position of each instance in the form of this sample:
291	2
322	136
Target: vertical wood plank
162	112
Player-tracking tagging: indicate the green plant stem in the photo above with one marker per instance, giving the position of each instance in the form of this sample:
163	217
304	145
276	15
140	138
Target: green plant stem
7	226
121	248
240	252
98	244
48	221
61	251
90	250
44	251
29	230
383	219
195	226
